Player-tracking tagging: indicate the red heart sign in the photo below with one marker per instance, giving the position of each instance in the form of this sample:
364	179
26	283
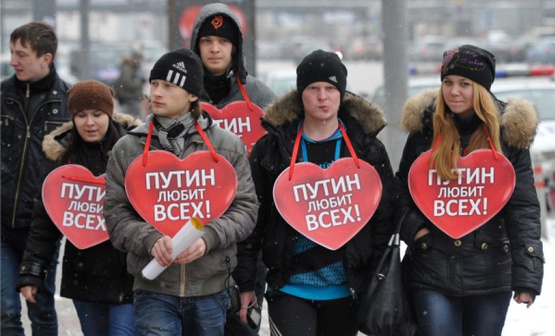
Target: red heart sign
74	200
328	206
169	191
484	186
239	119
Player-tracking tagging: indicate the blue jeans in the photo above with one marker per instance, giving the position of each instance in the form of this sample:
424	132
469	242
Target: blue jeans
41	314
99	318
477	315
167	315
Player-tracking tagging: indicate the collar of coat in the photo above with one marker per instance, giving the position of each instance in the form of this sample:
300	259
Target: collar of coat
54	149
519	118
288	109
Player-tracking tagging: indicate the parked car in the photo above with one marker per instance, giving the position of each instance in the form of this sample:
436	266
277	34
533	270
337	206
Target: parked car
280	81
428	49
542	51
542	95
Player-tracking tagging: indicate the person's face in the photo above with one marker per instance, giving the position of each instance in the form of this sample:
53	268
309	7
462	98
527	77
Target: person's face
216	54
458	94
27	65
91	125
321	101
169	100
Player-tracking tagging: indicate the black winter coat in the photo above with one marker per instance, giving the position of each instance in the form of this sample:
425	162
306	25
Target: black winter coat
502	255
272	154
95	274
22	137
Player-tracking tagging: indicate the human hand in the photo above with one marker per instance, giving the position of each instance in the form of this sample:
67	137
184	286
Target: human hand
524	297
247	299
162	251
192	253
29	293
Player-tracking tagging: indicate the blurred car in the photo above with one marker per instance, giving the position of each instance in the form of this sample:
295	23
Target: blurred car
542	51
369	48
281	81
542	95
6	70
428	49
416	85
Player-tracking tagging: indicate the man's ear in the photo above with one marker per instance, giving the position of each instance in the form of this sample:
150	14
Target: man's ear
48	59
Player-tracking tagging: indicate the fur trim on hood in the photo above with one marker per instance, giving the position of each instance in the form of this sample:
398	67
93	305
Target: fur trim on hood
288	109
54	149
519	118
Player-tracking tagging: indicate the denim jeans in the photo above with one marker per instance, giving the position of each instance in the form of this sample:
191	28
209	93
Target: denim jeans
167	315
98	318
41	314
476	315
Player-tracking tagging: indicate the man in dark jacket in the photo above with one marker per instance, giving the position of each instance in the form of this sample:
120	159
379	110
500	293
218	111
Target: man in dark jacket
33	104
218	41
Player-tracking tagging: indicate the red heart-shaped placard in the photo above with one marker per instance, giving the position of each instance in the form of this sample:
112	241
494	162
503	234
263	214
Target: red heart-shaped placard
459	207
74	199
167	192
239	119
328	206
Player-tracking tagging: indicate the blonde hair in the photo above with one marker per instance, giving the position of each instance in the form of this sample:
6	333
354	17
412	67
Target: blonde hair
445	156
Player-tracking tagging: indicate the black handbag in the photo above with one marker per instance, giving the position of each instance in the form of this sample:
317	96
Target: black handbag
384	308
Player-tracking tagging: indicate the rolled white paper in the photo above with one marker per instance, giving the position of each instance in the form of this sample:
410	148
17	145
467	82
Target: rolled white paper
187	235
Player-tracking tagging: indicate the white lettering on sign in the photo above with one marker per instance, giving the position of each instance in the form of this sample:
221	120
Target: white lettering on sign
82	192
464	196
333	218
180	195
461	207
85	207
235	125
479	175
182	211
180	179
333	186
84	221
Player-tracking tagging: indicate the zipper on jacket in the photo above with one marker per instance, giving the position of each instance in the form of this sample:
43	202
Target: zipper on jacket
24	151
353	294
27	90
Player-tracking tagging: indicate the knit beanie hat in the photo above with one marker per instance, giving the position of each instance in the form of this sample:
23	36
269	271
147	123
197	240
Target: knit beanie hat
322	66
181	67
222	26
472	62
90	95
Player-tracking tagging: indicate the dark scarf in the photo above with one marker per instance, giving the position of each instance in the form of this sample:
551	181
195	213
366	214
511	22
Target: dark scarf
217	87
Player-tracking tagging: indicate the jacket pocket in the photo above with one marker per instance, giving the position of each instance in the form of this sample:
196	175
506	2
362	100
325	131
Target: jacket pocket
8	126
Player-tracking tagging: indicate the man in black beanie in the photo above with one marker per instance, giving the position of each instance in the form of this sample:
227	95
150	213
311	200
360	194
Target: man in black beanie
218	41
192	294
311	288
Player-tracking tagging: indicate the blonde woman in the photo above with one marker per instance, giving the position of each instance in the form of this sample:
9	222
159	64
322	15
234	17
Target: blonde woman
464	283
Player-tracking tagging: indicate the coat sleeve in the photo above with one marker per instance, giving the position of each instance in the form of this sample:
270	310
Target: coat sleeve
248	250
522	220
41	247
403	203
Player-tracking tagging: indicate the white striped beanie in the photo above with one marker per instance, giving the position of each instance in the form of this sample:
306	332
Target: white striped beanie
181	67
